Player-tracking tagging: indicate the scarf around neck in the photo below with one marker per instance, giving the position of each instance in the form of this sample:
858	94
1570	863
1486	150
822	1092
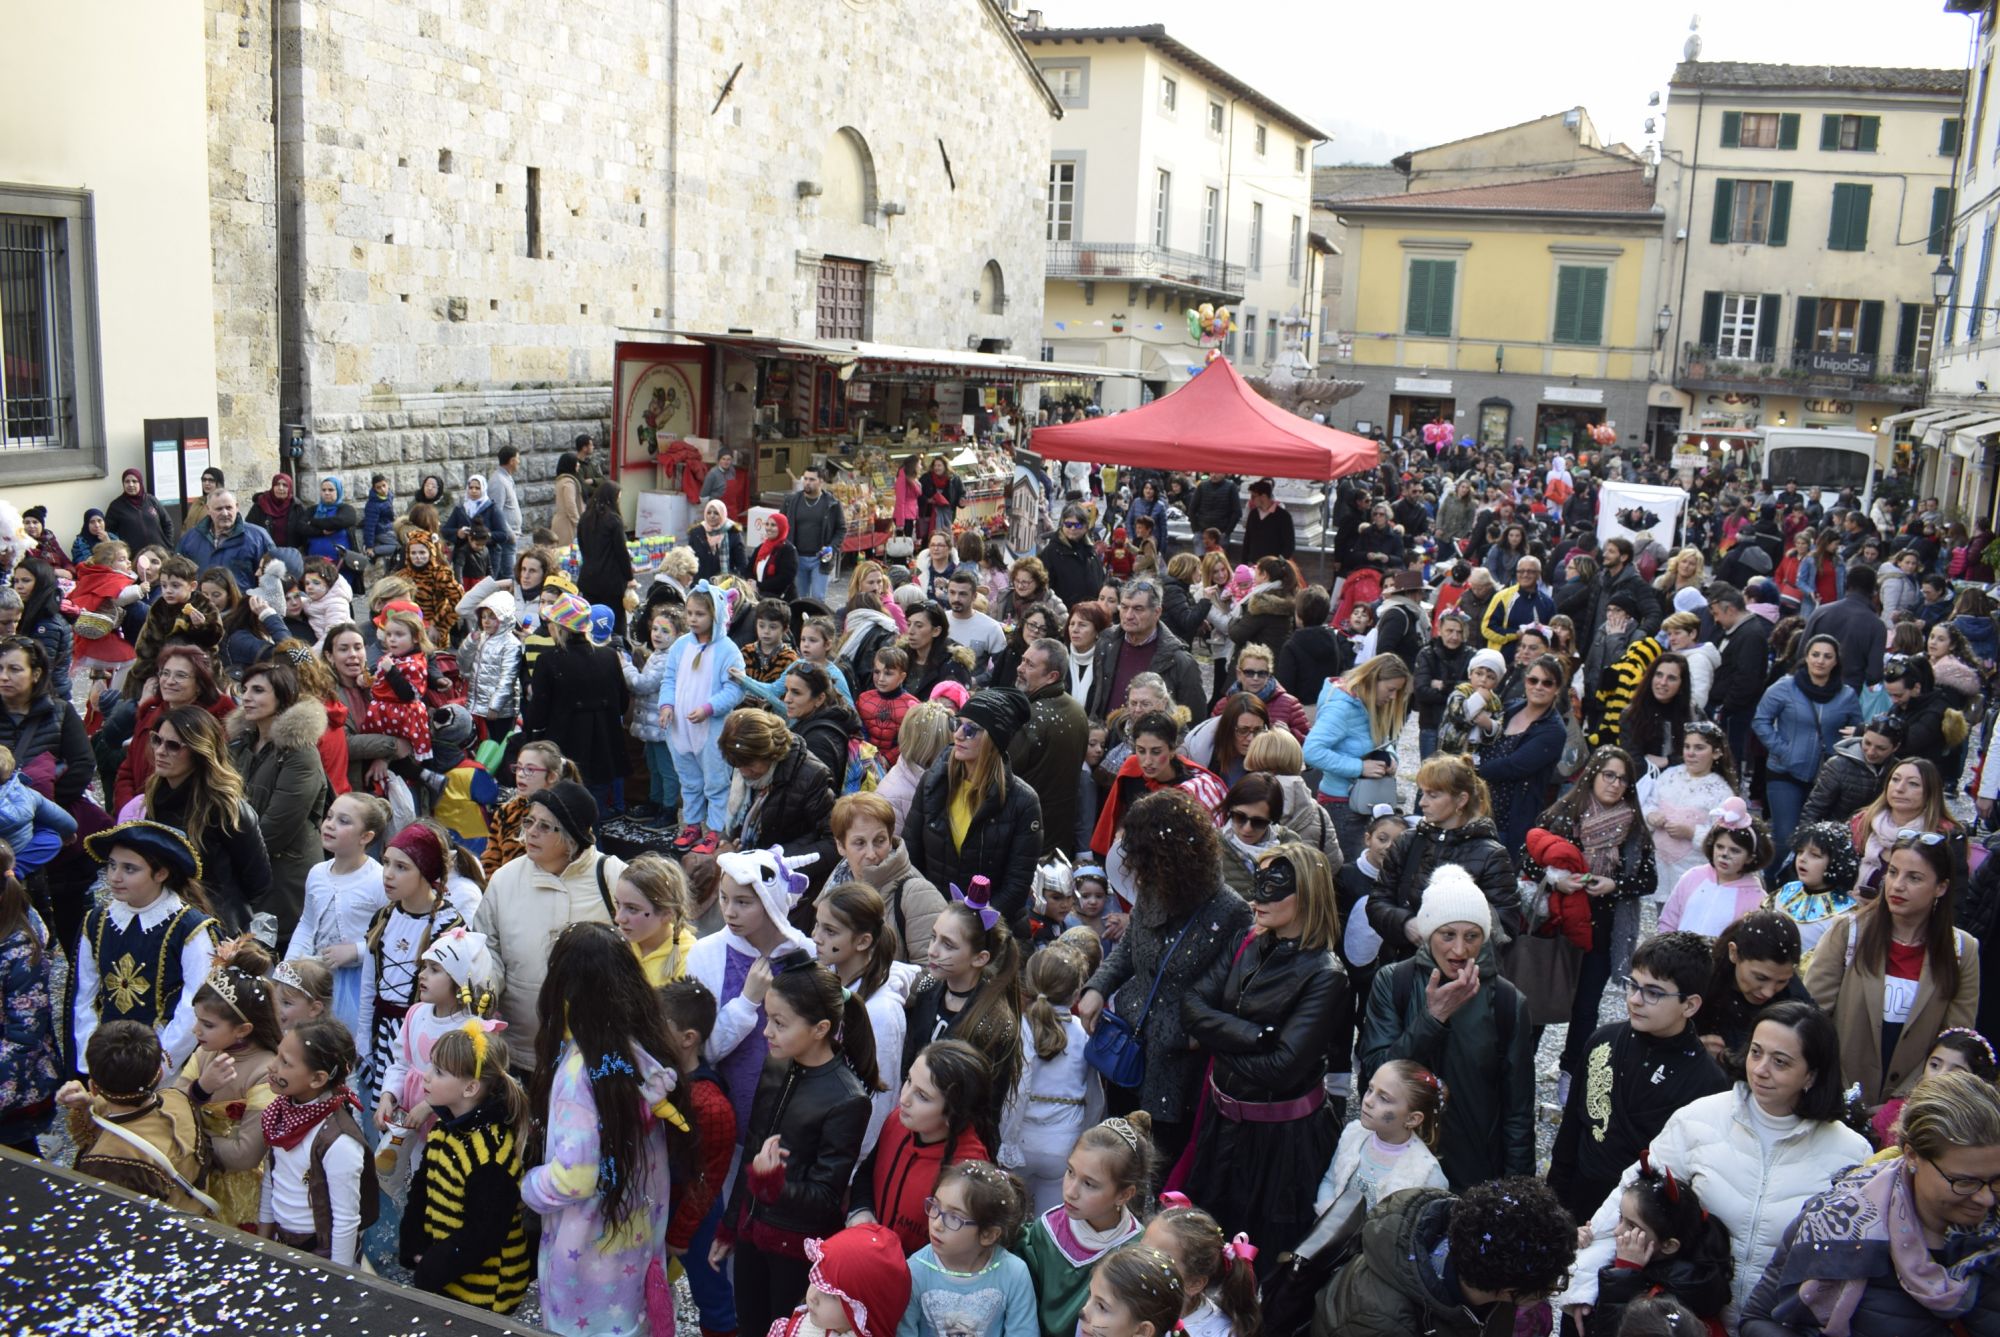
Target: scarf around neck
1601	835
1842	1246
1802	677
286	1121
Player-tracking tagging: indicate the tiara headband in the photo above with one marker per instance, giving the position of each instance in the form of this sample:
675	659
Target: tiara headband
284	973
1124	1130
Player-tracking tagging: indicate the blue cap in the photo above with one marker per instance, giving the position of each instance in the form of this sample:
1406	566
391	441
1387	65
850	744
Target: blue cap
603	624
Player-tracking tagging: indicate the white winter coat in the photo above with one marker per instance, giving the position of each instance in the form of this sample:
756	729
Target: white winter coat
1712	1143
888	1016
523	912
1703	660
1417	1167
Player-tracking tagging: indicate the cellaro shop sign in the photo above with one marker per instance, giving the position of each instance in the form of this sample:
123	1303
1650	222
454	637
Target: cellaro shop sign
1841	364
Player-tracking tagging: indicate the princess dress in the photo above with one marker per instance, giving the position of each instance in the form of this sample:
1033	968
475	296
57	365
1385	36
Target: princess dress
1680	797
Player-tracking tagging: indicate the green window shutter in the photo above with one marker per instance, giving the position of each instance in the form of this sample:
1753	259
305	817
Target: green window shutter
1725	205
1869	338
1788	130
1948	137
1768	308
1732	129
1843	208
1906	336
1417	316
1829	133
1804	325
1444	273
1711	319
1781	214
1569	294
1590	328
1940	218
1869	134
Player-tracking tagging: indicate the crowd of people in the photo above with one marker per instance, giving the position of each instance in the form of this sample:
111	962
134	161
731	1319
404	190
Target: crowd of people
1055	927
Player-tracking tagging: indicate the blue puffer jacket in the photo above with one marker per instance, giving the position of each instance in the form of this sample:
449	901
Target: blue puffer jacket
1800	733
1981	632
243	551
378	518
1341	736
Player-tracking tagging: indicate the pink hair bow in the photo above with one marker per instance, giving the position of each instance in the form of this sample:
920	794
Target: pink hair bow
1240	1249
1733	815
976	902
1173	1199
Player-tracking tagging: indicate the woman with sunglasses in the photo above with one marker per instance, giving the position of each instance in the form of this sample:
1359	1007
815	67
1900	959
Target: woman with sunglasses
1252	826
194	788
1851	1251
972	816
1911	799
185	677
1898	971
1265	1013
1519	766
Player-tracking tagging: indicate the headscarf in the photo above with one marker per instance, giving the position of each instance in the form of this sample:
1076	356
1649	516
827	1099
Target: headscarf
771	545
474	505
80	550
267	506
325	510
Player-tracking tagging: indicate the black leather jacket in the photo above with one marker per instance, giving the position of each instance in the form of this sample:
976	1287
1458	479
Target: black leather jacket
1266	1016
822	1114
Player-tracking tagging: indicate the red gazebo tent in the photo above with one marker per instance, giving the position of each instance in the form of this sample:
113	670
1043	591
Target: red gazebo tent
1215	422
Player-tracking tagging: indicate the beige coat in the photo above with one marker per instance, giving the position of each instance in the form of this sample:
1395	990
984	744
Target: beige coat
522	913
569	509
1851	993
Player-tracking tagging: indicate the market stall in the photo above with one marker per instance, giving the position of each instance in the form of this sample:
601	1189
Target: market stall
859	411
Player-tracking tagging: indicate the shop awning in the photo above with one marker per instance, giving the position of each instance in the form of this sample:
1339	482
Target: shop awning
1911	420
1965	438
1215	422
1937	429
902	361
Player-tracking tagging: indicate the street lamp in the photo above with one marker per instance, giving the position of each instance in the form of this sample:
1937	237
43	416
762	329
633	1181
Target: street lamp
1942	279
1662	325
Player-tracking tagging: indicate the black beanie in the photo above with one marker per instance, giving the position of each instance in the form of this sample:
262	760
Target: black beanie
1001	711
573	808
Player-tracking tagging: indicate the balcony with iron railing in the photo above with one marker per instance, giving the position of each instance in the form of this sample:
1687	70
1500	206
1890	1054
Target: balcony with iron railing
1133	262
1816	372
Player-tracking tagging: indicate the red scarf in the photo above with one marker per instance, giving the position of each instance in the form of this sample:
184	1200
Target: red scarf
769	546
286	1122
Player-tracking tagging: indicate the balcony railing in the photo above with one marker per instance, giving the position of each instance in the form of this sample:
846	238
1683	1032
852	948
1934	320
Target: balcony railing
1131	262
1803	372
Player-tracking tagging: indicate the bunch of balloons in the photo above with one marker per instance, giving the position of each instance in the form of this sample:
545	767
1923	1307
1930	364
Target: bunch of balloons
1438	435
1604	434
1209	324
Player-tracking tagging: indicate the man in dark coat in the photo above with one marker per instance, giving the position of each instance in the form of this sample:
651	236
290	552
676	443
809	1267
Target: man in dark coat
1217	503
1746	657
1267	529
1618	572
1048	753
1311	654
1852	620
1139	644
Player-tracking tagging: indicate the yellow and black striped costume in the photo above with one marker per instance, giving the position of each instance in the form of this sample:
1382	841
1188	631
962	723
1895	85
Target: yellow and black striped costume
1621	684
462	1229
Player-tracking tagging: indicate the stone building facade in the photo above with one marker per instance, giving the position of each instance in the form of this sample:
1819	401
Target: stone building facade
467	203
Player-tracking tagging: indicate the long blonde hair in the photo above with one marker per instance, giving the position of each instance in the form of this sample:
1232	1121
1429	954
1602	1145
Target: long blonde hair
1384	721
1055	977
1319	911
987	774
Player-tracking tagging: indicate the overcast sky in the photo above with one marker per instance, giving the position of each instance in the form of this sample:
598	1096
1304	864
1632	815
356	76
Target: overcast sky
1386	77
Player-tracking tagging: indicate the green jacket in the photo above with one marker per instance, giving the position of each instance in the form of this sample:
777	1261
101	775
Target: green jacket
1394	1287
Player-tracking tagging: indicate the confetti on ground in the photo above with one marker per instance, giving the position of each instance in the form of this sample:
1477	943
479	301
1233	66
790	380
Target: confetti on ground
79	1260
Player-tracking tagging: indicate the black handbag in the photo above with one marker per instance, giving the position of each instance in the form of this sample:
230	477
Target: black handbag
1116	1048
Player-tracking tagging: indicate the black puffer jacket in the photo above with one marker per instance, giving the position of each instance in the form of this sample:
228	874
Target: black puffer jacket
798	814
1266	1016
1311	656
51	726
827	732
822	1115
1923	727
1180	610
1265	619
1407	869
1846	784
1075	574
1003	842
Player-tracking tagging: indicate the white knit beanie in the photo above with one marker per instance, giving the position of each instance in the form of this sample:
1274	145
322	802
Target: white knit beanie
1453	898
1489	658
1690	601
